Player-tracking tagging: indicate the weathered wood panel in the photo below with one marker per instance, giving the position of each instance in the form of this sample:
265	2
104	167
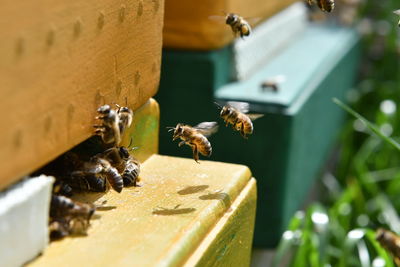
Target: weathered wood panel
60	60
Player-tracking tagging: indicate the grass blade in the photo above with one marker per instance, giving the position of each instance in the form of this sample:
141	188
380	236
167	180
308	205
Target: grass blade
370	125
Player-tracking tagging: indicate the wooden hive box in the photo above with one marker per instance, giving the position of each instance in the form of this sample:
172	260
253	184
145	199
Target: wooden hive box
60	61
187	24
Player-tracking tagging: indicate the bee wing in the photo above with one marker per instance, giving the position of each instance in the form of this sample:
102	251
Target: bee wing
207	128
240	106
219	19
397	12
253	21
254	116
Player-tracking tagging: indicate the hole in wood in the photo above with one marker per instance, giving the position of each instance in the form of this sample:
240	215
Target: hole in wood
140	9
101	20
19	47
50	38
137	78
122	13
18	139
77	28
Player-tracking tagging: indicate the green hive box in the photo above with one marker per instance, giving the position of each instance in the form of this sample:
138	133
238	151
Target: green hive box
292	141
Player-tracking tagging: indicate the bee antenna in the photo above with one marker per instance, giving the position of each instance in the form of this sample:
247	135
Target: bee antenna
218	105
170	128
134	148
130	142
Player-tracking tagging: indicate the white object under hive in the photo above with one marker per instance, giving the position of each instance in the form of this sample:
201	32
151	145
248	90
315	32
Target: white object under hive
24	215
268	39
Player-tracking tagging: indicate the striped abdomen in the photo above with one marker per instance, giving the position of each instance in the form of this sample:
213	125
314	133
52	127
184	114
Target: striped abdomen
203	145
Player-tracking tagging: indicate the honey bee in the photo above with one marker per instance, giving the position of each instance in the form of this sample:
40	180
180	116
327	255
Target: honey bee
324	5
125	115
397	12
109	129
273	83
97	169
68	217
235	113
391	242
239	25
126	164
195	137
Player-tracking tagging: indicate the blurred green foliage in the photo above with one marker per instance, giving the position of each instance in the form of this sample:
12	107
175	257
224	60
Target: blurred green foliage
363	190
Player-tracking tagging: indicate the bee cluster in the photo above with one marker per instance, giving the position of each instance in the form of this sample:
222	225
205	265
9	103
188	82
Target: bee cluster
113	167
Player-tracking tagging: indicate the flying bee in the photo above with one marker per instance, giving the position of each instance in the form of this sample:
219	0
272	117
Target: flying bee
68	217
397	12
109	128
391	242
125	115
195	137
98	168
324	5
273	83
239	25
235	113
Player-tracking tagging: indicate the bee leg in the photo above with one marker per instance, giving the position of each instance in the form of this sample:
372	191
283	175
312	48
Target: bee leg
242	133
181	143
195	153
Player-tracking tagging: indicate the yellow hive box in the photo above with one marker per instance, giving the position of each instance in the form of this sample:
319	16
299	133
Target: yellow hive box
187	24
61	60
185	214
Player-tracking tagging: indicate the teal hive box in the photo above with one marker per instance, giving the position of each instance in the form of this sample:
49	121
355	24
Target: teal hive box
292	141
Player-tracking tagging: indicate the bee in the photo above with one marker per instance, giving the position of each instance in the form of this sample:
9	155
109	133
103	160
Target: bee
324	5
273	83
239	25
235	113
109	128
97	169
195	137
125	115
397	12
126	164
68	217
391	242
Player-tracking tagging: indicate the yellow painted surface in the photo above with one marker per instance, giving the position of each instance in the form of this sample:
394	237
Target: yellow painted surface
187	24
166	220
229	243
61	60
144	130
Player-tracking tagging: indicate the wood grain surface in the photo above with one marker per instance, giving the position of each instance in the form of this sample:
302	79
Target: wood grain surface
180	206
61	60
187	24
